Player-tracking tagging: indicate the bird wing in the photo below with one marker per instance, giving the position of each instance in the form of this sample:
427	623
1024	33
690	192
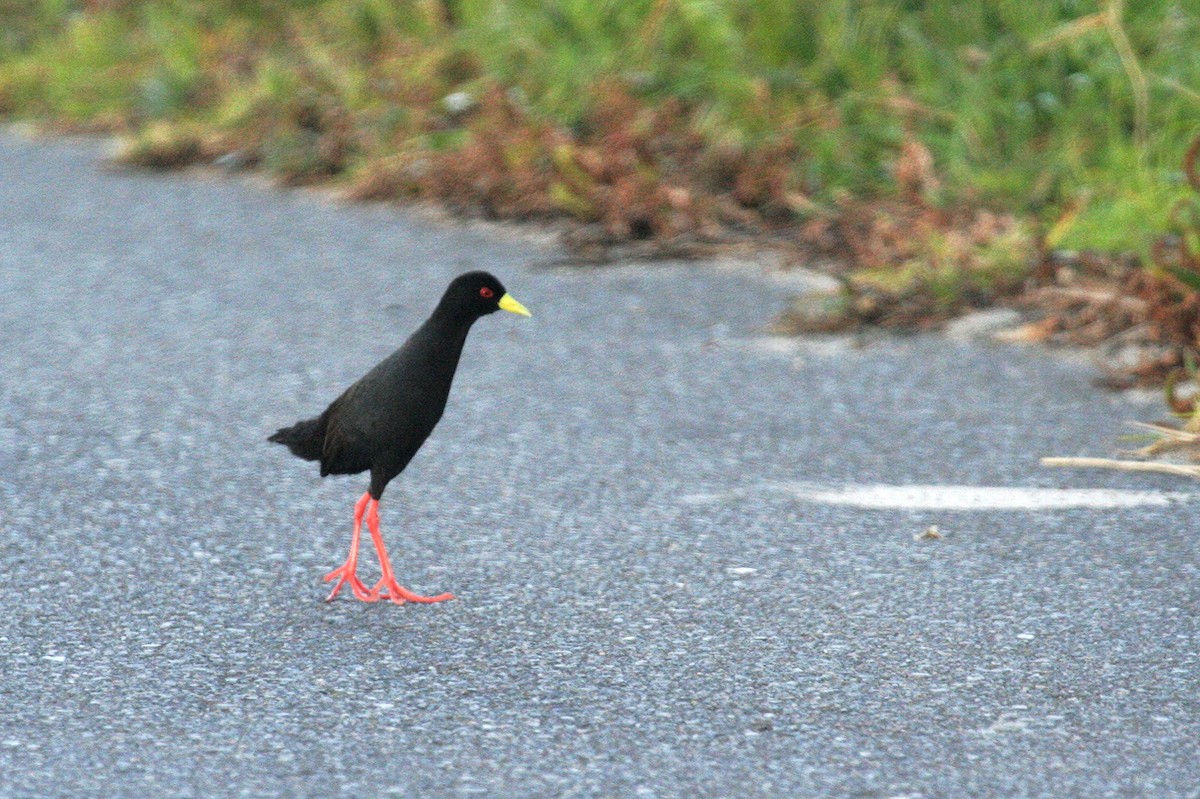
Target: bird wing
348	441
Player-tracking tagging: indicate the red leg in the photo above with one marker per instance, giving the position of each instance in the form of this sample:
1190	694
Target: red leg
395	592
346	572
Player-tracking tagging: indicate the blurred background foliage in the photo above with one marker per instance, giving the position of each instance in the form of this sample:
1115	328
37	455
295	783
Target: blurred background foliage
648	117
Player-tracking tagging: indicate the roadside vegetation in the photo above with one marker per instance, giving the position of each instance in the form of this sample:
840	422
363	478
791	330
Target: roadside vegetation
943	154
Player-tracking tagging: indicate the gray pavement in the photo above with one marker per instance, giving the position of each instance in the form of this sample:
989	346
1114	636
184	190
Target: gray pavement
647	607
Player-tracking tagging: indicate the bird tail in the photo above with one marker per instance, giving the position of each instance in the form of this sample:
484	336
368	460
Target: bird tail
305	439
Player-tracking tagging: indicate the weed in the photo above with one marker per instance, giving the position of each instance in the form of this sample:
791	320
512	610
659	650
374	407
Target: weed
948	142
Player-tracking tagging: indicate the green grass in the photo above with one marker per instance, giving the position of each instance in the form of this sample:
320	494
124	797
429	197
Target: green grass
1029	107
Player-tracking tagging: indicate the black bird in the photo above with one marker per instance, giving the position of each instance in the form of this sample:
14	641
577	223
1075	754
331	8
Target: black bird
381	421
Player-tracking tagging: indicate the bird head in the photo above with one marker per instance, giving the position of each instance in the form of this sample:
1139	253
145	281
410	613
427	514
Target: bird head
480	293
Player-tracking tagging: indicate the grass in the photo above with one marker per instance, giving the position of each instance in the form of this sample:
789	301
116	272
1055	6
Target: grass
660	118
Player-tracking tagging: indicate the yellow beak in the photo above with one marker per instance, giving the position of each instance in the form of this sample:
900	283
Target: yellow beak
507	303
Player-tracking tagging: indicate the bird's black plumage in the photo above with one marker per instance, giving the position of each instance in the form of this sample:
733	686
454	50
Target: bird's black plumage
381	421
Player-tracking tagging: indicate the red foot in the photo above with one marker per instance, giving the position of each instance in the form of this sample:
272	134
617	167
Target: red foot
399	594
345	574
395	592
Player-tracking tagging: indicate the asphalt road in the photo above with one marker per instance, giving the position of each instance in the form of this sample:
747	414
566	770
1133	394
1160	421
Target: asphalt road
625	493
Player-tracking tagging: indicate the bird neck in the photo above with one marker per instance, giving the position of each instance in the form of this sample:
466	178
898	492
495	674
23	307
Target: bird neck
450	325
449	316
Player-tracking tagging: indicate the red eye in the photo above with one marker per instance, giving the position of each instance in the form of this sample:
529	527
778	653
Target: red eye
486	293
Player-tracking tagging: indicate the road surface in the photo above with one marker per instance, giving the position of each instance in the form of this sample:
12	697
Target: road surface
682	562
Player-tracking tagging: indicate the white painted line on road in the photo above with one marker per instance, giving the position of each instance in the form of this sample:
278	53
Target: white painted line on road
958	497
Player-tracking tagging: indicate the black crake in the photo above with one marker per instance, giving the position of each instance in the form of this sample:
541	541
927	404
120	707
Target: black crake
380	422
